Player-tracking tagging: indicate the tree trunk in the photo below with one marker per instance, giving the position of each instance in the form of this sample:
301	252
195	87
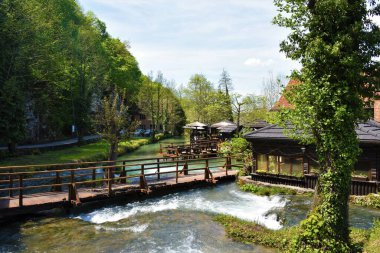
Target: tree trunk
330	201
112	156
12	147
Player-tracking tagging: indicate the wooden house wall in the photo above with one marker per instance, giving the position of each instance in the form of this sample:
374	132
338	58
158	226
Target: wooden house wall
369	159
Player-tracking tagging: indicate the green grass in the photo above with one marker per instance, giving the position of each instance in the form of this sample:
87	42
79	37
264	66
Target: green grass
373	243
253	233
90	152
262	190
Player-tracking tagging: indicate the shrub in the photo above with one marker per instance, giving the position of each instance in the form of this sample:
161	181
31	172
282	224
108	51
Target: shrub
370	200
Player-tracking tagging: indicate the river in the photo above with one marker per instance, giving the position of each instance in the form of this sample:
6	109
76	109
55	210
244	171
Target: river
178	222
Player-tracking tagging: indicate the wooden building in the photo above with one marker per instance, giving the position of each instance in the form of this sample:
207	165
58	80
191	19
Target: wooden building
276	153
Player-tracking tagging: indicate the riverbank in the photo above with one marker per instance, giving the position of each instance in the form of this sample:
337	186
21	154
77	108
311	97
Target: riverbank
363	240
250	232
266	189
92	152
181	221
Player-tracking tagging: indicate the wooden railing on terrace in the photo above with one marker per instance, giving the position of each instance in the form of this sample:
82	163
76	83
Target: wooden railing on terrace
310	181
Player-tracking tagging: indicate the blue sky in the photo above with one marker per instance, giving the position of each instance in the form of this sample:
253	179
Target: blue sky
184	37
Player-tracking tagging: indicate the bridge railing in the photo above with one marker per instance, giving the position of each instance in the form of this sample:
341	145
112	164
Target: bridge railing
19	181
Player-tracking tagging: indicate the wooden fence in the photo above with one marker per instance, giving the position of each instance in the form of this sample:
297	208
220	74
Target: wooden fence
310	181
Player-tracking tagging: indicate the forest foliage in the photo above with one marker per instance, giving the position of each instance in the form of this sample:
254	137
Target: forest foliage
56	65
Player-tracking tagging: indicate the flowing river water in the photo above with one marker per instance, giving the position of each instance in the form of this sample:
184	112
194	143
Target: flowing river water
178	222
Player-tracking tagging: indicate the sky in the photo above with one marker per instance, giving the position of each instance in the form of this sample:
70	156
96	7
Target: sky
181	38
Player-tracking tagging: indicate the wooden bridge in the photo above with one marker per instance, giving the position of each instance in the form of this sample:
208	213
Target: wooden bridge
29	189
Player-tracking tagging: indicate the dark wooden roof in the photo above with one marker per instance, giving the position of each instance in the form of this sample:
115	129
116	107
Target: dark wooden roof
368	132
259	124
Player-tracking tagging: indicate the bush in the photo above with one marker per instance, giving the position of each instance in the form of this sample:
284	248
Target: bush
370	200
240	149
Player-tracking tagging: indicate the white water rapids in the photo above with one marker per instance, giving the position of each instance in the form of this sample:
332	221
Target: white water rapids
224	199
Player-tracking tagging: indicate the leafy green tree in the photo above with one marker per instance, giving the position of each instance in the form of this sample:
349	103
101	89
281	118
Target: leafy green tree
12	121
197	97
113	122
160	104
202	102
249	108
335	41
59	62
16	32
123	70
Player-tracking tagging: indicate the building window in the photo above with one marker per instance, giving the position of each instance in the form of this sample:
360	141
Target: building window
262	162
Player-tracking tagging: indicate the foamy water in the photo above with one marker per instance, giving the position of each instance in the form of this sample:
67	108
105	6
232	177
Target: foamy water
135	229
224	199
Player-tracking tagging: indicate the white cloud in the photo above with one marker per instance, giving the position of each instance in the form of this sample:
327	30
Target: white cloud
258	62
376	20
185	37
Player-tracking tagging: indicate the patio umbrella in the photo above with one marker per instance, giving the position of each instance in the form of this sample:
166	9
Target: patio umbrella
196	125
224	123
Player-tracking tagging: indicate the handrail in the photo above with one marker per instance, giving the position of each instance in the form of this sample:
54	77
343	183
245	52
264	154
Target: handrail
85	163
18	180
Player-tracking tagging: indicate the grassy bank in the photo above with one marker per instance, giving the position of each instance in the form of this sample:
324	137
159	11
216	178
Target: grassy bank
269	190
371	200
253	233
90	152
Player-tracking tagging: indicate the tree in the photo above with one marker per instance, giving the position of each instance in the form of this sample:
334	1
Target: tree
335	41
113	122
249	108
237	104
158	102
58	63
225	87
272	89
197	98
202	102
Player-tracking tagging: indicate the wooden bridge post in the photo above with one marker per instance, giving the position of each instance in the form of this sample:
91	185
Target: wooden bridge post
123	174
158	169
93	177
20	195
10	183
186	169
109	181
57	187
207	176
73	194
142	183
72	178
176	173
228	164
